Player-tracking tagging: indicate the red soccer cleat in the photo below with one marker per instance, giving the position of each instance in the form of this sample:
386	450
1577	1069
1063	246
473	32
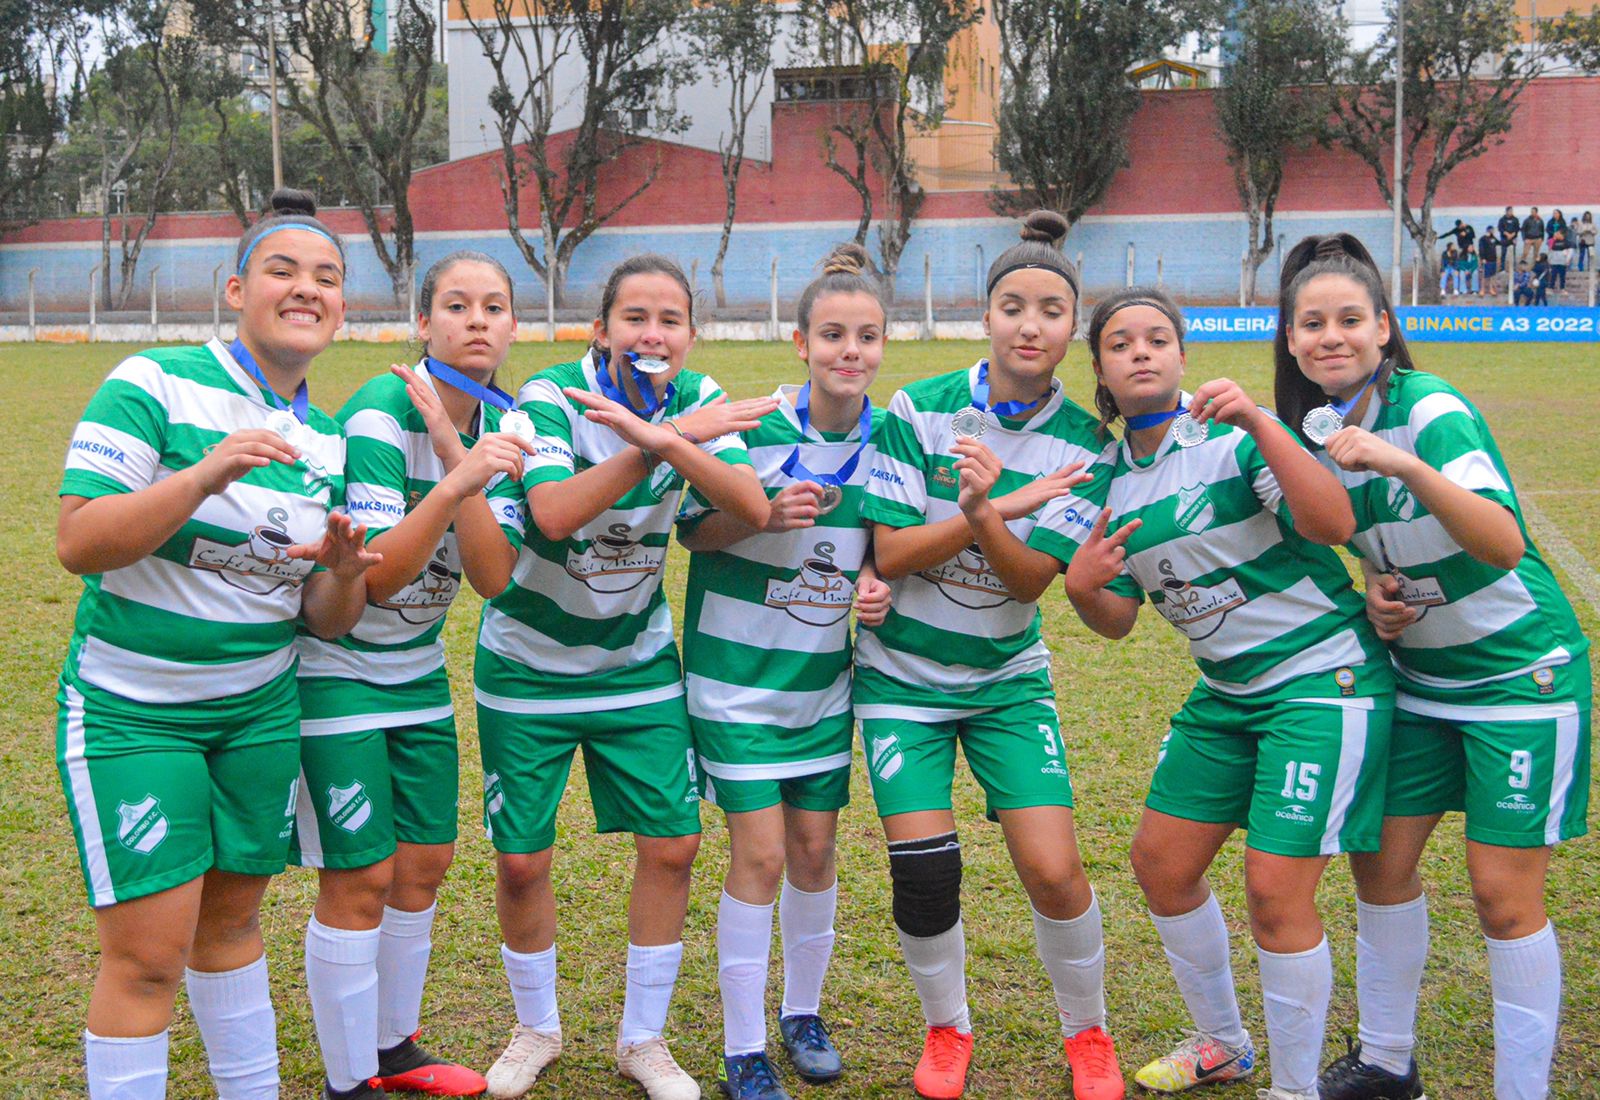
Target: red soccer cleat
409	1068
1095	1073
942	1071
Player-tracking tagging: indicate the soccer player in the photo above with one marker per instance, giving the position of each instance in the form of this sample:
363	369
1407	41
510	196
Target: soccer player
198	505
767	668
1223	522
964	461
379	772
578	651
1493	707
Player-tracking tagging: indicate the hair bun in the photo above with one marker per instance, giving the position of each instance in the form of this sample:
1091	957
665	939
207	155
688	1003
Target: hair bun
1046	227
290	200
1330	247
847	259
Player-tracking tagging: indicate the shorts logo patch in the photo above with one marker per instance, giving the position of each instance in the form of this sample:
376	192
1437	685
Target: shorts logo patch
349	807
141	826
967	579
1298	814
1518	804
1346	679
887	759
1194	511
494	798
1545	680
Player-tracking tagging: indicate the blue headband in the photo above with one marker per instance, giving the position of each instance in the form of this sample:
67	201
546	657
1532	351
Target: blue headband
307	226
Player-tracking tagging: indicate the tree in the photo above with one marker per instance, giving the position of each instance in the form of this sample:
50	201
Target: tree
1067	100
738	35
1274	97
1465	66
1574	36
596	64
900	49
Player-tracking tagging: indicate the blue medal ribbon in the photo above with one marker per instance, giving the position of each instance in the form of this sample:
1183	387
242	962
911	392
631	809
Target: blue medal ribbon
794	468
980	396
489	395
1343	407
647	391
300	405
1150	420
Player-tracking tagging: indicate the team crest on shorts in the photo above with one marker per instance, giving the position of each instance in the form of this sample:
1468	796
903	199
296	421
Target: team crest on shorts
967	579
615	561
819	595
349	807
141	826
886	757
1194	511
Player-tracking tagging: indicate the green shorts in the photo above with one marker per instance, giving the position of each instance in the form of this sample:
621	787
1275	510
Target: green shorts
159	795
641	766
1516	761
1303	776
361	792
1015	753
820	791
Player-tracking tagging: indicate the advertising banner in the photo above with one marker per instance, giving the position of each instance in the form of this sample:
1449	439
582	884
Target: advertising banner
1455	324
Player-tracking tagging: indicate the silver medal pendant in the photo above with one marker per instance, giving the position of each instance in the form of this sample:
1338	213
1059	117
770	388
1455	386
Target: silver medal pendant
285	424
969	422
832	497
1189	432
519	424
652	365
1320	423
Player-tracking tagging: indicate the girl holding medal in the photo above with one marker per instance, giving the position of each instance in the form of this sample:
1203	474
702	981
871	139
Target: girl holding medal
377	810
960	659
1224	520
199	506
578	651
767	663
1493	709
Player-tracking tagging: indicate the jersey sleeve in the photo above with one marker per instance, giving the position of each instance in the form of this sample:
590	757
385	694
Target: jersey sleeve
375	469
552	417
117	446
897	491
1451	437
1065	522
510	508
729	448
1263	482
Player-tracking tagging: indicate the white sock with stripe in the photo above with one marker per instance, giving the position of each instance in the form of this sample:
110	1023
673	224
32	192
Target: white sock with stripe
1525	975
1196	944
1074	954
744	947
1294	992
938	966
404	948
805	921
532	975
233	1009
1391	948
652	973
342	982
126	1069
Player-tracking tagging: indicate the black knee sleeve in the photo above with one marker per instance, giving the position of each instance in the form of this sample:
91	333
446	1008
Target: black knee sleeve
926	875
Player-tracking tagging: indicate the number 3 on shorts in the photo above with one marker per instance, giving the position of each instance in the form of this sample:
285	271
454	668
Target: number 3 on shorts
1300	781
1051	746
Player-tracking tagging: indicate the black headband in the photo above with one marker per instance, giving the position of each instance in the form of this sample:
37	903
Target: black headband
1003	272
1166	311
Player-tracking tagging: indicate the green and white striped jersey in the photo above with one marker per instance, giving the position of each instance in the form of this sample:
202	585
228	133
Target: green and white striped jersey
1477	624
955	641
389	670
211	613
583	625
1261	606
766	633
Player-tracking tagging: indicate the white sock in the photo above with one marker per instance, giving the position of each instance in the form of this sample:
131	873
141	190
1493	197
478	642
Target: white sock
652	972
233	1009
1391	947
744	944
126	1069
1074	954
1196	944
938	966
342	981
805	921
1525	975
1294	994
403	949
533	987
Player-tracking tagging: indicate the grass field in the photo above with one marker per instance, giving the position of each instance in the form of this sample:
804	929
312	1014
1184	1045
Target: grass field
1543	403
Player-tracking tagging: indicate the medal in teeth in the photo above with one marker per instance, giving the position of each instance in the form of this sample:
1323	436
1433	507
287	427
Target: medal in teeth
652	365
519	424
969	422
1189	432
1320	423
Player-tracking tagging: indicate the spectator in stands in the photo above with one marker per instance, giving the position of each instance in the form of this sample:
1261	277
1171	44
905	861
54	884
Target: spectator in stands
1467	270
1541	280
1488	260
1557	220
1532	234
1523	284
1464	235
1560	257
1586	237
1447	269
1507	229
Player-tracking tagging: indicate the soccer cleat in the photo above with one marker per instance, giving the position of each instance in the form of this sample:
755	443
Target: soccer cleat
407	1067
525	1057
942	1071
1095	1073
749	1077
366	1090
1349	1078
1198	1060
651	1064
811	1052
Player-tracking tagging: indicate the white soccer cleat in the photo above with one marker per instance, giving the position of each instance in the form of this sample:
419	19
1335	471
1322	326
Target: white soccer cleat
525	1057
651	1064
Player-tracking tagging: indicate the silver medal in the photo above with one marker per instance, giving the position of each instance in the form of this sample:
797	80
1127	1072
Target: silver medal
652	365
519	424
969	422
285	424
832	497
1189	432
1320	423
